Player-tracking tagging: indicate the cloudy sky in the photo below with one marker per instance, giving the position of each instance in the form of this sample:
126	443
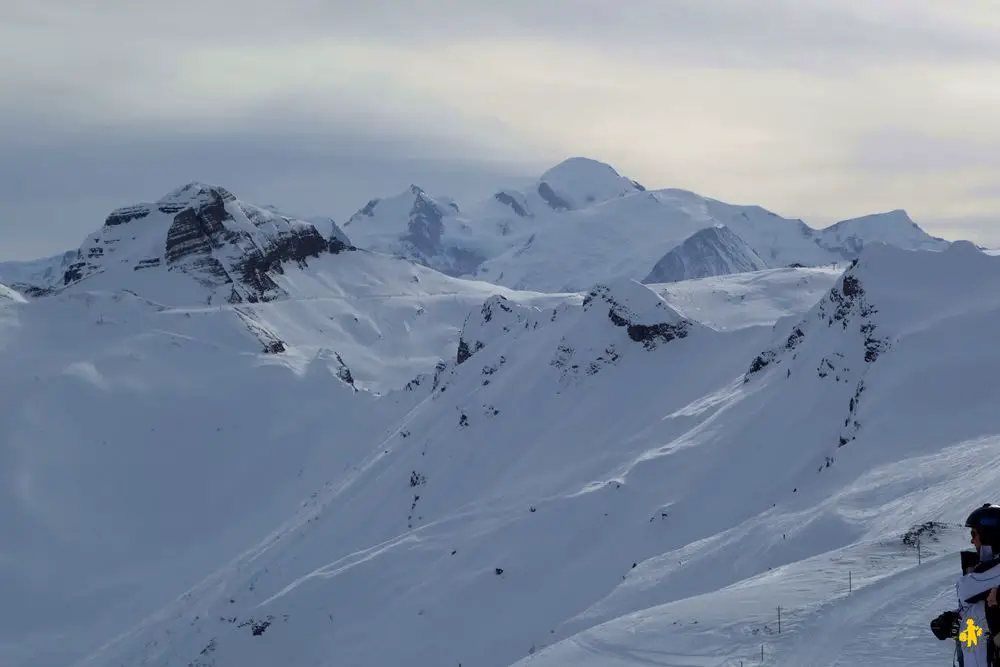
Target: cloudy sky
820	109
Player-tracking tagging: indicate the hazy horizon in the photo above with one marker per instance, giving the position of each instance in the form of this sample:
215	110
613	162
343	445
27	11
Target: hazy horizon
822	111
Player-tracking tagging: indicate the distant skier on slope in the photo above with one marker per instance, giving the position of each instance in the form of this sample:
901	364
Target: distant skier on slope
975	625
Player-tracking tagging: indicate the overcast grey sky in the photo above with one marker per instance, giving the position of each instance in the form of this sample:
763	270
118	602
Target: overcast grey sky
821	109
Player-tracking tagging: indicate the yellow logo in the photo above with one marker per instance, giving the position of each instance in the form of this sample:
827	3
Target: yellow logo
971	633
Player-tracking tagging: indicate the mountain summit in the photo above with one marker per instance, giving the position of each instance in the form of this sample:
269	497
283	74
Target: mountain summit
230	248
579	182
582	222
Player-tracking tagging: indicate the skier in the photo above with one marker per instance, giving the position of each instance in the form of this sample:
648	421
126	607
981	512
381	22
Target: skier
975	625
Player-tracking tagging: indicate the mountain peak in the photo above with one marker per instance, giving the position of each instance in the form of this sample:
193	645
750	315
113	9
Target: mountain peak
893	227
580	181
194	193
580	166
228	247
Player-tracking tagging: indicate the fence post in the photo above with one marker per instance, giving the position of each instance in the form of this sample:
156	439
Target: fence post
849	586
779	619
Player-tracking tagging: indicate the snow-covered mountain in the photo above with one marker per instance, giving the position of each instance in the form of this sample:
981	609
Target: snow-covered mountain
433	233
632	474
202	235
29	276
893	228
582	222
713	251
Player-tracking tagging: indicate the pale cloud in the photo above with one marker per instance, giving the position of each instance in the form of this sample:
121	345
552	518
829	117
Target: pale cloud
822	109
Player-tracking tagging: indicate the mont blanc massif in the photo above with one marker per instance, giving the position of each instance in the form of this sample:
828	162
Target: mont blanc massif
580	424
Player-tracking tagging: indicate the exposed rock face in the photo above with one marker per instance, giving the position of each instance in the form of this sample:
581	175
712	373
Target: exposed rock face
425	227
845	304
654	324
516	203
204	232
556	202
122	215
498	317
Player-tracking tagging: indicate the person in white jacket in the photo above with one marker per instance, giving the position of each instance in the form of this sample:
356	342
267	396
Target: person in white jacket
976	622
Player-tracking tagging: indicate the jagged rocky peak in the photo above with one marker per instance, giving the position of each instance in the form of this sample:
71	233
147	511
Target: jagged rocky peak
848	308
646	317
426	225
415	225
206	233
515	201
193	195
713	251
498	317
412	202
578	182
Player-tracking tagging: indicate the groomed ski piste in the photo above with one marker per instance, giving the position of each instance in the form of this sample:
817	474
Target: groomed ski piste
430	470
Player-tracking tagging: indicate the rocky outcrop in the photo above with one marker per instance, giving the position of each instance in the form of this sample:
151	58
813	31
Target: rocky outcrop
846	304
515	201
426	225
652	325
206	233
554	201
497	317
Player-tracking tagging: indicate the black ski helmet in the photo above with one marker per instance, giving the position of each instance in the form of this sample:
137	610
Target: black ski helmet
985	520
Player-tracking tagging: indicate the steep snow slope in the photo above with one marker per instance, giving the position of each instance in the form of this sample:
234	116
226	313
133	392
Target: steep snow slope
903	344
590	464
7	295
388	319
581	222
140	446
457	476
713	251
145	445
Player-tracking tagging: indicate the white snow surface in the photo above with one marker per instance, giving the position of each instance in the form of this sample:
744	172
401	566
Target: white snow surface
8	295
630	475
583	223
